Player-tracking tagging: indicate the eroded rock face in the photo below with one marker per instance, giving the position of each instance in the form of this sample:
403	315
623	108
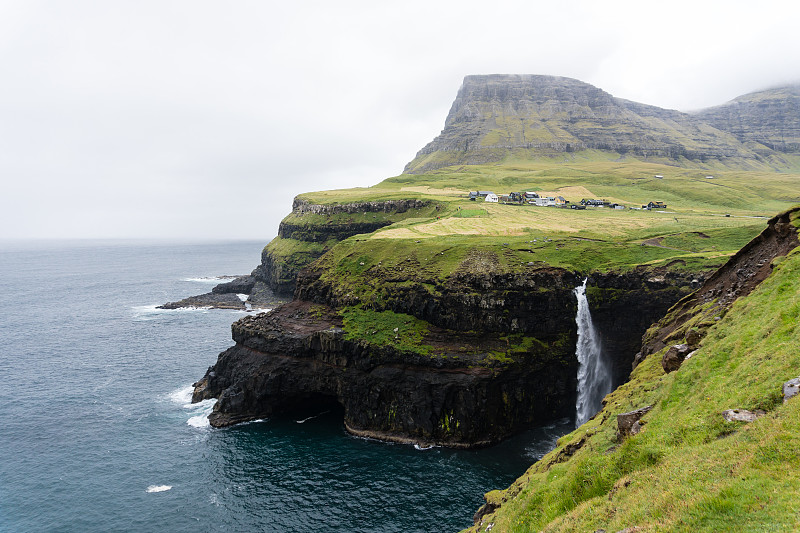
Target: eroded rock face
539	303
463	396
630	423
770	117
736	278
494	116
298	355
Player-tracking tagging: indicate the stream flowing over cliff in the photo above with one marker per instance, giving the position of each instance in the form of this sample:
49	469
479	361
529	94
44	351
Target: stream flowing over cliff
594	372
300	355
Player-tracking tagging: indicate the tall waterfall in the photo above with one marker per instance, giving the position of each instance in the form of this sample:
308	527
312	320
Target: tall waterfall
594	372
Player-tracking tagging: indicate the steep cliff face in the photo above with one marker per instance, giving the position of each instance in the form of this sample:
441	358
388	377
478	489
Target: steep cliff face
298	356
312	229
497	117
770	118
497	353
539	303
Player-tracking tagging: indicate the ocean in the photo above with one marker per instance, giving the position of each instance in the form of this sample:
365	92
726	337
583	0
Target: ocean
97	433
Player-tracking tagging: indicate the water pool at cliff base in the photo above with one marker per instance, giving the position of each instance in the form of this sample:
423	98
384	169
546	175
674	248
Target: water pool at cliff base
98	433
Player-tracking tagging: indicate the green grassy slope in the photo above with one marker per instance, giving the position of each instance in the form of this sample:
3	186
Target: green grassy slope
688	470
694	228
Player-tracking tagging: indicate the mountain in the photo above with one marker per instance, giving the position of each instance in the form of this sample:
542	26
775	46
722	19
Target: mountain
497	118
770	118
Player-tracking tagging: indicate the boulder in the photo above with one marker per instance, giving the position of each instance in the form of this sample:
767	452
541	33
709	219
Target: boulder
693	337
790	389
628	423
741	415
674	357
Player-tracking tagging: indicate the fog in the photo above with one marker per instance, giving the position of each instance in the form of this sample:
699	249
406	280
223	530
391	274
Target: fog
202	120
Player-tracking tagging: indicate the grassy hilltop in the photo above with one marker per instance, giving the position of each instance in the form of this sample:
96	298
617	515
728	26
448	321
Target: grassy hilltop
560	136
705	221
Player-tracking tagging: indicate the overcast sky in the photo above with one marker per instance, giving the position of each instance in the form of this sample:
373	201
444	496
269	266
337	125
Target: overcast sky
203	119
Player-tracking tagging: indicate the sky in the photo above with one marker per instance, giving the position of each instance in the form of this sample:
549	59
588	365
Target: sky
201	120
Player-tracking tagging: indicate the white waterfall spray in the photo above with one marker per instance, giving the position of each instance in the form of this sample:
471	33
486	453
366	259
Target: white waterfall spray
594	372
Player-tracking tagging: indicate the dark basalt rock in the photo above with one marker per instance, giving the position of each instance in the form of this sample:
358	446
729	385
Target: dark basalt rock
629	423
239	285
209	299
298	357
674	357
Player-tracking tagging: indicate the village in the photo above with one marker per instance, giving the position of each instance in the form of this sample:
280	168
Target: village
532	198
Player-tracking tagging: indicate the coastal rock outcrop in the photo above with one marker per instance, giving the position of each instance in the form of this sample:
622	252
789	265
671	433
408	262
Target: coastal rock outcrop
298	357
479	382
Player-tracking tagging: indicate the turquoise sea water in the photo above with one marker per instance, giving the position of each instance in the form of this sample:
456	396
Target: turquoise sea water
96	432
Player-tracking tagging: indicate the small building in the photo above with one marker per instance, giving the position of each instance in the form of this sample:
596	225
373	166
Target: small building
591	202
655	205
504	198
516	197
491	197
658	177
577	206
474	195
528	195
559	200
545	201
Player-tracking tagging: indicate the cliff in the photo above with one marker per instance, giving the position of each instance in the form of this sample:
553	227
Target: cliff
312	229
486	355
428	318
497	118
703	443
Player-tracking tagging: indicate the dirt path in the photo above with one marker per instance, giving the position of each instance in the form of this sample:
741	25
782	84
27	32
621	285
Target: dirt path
656	241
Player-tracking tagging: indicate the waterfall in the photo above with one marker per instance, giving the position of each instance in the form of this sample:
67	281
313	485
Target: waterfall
594	372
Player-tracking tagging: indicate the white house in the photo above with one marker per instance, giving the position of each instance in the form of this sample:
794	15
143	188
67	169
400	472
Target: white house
544	202
491	197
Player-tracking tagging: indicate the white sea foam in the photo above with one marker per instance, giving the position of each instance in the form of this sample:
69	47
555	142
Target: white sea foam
183	396
423	448
158	488
311	417
151	312
208	279
243	297
198	412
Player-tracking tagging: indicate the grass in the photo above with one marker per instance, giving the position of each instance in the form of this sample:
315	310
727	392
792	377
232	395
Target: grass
688	470
427	245
386	328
